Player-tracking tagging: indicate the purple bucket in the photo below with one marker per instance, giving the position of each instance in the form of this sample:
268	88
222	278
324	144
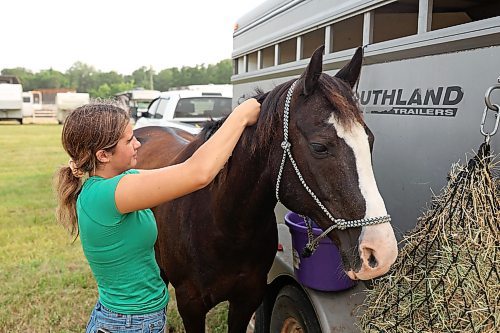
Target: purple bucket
323	269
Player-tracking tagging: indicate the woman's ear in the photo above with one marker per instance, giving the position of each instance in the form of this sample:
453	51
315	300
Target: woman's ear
103	156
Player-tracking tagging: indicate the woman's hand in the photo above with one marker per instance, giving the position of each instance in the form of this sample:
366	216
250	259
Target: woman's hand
249	110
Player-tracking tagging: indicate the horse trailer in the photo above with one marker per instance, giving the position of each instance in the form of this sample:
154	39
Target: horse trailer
427	66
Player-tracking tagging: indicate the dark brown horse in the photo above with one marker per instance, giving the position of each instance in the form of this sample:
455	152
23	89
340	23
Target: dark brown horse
218	243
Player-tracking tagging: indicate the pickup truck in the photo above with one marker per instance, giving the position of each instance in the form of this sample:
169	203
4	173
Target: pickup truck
192	106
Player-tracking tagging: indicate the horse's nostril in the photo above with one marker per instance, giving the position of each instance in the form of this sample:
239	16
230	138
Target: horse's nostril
372	262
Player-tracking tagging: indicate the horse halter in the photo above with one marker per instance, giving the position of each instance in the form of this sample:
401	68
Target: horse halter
340	224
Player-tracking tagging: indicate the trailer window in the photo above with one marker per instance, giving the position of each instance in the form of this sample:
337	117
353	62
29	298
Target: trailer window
311	41
347	34
267	57
252	62
235	66
241	65
447	13
287	51
395	20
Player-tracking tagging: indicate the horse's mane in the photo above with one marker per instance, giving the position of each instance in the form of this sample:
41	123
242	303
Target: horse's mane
338	93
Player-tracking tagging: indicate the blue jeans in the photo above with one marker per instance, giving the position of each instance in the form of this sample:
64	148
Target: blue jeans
113	322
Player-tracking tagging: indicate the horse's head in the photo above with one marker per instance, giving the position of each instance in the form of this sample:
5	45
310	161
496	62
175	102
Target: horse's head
332	147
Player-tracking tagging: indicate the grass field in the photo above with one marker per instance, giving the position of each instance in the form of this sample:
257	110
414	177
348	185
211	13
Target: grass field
47	285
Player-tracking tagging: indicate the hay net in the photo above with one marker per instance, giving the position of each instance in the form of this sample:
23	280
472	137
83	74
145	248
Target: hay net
446	277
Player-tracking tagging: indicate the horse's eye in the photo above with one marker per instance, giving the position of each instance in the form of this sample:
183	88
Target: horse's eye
319	148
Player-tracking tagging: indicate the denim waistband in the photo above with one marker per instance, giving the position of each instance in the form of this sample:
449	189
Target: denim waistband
101	307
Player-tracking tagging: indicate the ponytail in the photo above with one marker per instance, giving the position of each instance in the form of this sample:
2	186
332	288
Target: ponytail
67	189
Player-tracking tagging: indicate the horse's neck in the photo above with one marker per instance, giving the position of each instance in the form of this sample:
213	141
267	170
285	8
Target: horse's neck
244	188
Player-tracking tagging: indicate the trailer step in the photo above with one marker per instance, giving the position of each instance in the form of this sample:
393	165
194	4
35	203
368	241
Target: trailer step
44	114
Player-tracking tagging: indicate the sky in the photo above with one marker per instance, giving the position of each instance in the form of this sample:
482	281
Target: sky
119	35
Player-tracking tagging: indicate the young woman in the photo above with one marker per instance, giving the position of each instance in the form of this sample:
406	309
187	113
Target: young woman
110	212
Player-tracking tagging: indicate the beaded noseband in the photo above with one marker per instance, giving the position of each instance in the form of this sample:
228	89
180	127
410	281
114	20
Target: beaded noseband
340	224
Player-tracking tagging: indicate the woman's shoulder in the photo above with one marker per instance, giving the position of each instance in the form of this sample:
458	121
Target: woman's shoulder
98	195
96	185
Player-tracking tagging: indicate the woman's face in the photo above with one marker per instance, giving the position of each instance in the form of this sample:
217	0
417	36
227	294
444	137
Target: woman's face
124	156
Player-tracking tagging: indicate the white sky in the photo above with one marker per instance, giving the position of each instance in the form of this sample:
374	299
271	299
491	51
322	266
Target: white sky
120	35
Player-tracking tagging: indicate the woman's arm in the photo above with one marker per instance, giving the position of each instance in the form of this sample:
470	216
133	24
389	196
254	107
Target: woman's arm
149	189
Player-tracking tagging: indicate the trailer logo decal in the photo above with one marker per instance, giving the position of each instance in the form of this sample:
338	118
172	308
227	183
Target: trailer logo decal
441	102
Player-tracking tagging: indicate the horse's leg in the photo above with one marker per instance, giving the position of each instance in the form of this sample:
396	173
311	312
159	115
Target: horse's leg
191	308
242	307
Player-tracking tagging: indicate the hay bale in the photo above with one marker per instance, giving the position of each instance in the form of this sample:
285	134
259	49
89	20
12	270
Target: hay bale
446	277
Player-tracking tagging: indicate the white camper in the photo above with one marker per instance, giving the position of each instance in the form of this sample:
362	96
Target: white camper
32	101
67	102
136	101
11	99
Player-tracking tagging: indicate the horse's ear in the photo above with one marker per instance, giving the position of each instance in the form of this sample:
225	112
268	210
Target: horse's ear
350	72
313	70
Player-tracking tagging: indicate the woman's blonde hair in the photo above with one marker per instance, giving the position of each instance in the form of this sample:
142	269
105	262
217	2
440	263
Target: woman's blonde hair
88	129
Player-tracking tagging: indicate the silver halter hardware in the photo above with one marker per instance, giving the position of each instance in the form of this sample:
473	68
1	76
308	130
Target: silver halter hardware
340	224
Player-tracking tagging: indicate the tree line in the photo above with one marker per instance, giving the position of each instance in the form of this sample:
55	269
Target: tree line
85	78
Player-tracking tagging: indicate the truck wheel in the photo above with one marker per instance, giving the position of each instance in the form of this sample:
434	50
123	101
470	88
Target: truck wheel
20	120
293	312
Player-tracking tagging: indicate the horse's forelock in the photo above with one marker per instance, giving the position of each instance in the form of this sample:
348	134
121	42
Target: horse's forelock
340	95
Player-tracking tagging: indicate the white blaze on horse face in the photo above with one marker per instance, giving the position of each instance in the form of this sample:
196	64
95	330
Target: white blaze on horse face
376	241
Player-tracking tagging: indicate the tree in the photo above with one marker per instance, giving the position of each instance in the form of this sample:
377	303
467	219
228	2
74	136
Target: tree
223	72
85	78
163	80
81	77
109	90
109	78
142	77
49	79
24	75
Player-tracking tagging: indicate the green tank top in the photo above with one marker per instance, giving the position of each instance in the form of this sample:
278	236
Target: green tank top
120	249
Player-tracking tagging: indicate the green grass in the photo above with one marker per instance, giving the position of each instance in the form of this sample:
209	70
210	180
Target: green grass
46	284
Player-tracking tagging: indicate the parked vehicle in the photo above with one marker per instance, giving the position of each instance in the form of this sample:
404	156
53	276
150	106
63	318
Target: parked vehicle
11	98
32	101
192	129
67	102
427	65
194	105
137	101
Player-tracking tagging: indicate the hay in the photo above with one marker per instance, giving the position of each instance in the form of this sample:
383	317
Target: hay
446	277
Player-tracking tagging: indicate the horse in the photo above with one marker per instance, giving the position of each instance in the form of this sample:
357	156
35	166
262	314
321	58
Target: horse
218	243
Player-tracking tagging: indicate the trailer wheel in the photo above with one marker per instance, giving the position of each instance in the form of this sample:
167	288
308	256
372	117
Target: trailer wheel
293	312
20	120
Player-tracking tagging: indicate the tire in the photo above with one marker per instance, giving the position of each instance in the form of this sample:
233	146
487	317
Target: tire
20	120
292	312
